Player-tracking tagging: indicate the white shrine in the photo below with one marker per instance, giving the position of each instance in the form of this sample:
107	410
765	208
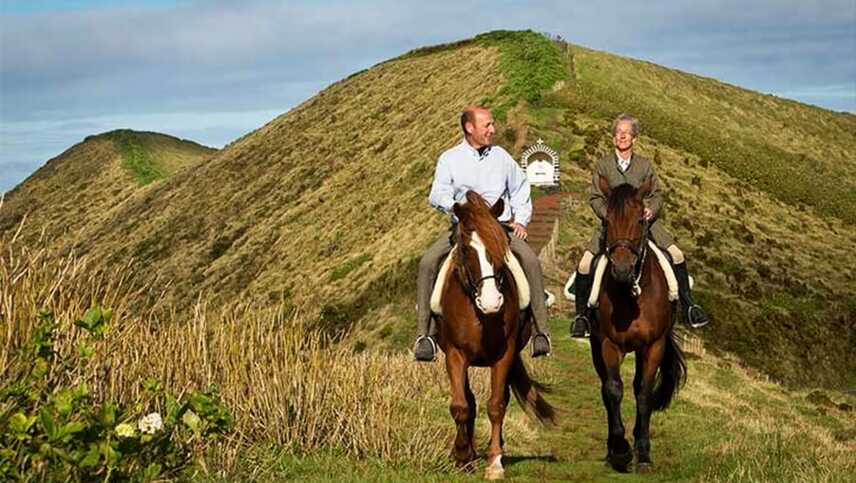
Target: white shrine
541	165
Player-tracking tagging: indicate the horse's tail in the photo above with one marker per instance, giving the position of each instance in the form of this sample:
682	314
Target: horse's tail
528	391
672	374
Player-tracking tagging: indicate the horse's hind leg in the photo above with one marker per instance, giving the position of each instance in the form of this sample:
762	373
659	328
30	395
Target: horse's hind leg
619	453
462	412
647	363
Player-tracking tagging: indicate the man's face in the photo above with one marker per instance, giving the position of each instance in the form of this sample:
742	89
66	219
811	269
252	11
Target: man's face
483	128
623	138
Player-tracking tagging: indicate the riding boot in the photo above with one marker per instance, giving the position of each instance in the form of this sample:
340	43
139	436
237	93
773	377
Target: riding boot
694	315
541	338
425	349
582	290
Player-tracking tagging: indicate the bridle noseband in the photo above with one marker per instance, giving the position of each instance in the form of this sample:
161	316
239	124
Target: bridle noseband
640	250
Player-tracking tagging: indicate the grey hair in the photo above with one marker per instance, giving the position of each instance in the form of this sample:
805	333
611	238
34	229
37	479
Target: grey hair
634	123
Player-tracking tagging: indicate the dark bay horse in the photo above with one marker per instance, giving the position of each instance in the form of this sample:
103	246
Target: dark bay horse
482	326
634	315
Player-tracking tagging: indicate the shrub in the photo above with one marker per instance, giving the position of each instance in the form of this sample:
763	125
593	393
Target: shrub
55	431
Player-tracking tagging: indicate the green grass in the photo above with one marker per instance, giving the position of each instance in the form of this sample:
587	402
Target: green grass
135	158
718	429
530	62
343	270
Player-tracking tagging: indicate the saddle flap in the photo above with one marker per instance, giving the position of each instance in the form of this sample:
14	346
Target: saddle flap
602	262
511	262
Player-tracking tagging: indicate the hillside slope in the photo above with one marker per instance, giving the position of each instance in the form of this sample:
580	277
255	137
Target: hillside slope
325	206
75	191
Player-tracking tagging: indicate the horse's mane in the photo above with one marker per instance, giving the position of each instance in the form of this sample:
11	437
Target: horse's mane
619	197
482	221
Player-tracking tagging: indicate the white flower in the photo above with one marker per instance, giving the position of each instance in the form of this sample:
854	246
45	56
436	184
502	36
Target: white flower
125	430
151	424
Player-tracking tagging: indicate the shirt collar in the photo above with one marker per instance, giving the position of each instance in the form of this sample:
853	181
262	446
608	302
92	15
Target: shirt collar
485	151
623	164
621	160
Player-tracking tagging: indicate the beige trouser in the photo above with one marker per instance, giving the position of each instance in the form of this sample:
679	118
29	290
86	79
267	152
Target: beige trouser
430	264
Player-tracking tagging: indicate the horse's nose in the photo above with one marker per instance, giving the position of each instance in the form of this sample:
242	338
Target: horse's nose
622	273
489	304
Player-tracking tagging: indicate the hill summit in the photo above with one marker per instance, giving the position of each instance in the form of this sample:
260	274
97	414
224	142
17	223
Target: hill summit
78	189
324	208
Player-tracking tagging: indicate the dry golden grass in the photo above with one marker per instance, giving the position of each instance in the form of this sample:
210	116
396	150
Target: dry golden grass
286	383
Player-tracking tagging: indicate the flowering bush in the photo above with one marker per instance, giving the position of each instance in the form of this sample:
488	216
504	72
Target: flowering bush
51	432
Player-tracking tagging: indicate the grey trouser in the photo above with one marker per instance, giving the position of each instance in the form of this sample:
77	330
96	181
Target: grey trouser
430	265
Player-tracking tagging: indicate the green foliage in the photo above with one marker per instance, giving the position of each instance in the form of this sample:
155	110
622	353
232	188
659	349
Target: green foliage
531	62
54	430
135	158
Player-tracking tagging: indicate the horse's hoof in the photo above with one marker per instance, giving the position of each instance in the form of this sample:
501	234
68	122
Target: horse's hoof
491	473
620	462
494	470
644	468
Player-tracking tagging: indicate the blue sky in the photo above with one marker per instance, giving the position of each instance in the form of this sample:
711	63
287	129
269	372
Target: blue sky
213	70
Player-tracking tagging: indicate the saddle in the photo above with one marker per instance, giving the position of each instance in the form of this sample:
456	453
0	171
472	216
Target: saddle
601	262
513	266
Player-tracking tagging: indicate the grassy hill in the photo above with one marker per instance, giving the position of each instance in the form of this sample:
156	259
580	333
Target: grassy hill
322	213
73	192
324	207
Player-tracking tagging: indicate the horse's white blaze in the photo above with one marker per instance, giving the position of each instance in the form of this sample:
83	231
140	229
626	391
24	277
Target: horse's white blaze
490	299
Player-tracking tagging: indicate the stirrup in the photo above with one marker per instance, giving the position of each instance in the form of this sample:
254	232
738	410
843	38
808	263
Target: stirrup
585	322
705	319
416	354
549	345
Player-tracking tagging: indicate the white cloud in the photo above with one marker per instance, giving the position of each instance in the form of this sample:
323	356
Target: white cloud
115	64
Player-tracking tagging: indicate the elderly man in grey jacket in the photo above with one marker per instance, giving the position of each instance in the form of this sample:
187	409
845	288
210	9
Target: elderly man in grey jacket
477	165
620	167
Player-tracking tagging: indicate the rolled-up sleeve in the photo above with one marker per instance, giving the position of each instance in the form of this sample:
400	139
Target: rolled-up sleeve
442	195
519	193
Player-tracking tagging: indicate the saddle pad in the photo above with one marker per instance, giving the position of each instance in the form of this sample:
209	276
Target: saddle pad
513	266
600	269
602	262
671	280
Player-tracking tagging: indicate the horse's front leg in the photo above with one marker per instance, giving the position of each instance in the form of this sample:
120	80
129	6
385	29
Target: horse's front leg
619	454
462	407
647	363
496	407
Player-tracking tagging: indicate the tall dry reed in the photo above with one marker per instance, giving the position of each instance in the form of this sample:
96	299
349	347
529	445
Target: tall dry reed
285	382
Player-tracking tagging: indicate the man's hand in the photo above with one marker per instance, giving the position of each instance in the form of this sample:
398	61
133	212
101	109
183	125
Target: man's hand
519	231
647	214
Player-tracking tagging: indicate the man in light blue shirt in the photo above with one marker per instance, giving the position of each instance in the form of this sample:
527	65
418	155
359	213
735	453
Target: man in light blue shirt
476	165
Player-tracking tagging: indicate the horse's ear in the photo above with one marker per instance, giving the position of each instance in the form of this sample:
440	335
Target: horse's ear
458	210
603	183
644	189
497	208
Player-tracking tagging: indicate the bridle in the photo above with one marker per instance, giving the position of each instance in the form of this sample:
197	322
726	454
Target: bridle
471	285
640	249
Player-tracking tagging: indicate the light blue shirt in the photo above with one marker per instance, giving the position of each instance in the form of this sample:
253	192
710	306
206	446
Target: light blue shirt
493	175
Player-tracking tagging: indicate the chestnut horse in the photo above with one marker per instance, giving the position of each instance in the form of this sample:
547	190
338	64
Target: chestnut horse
482	326
634	315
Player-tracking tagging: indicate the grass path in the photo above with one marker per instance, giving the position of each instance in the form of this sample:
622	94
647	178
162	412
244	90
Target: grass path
725	425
